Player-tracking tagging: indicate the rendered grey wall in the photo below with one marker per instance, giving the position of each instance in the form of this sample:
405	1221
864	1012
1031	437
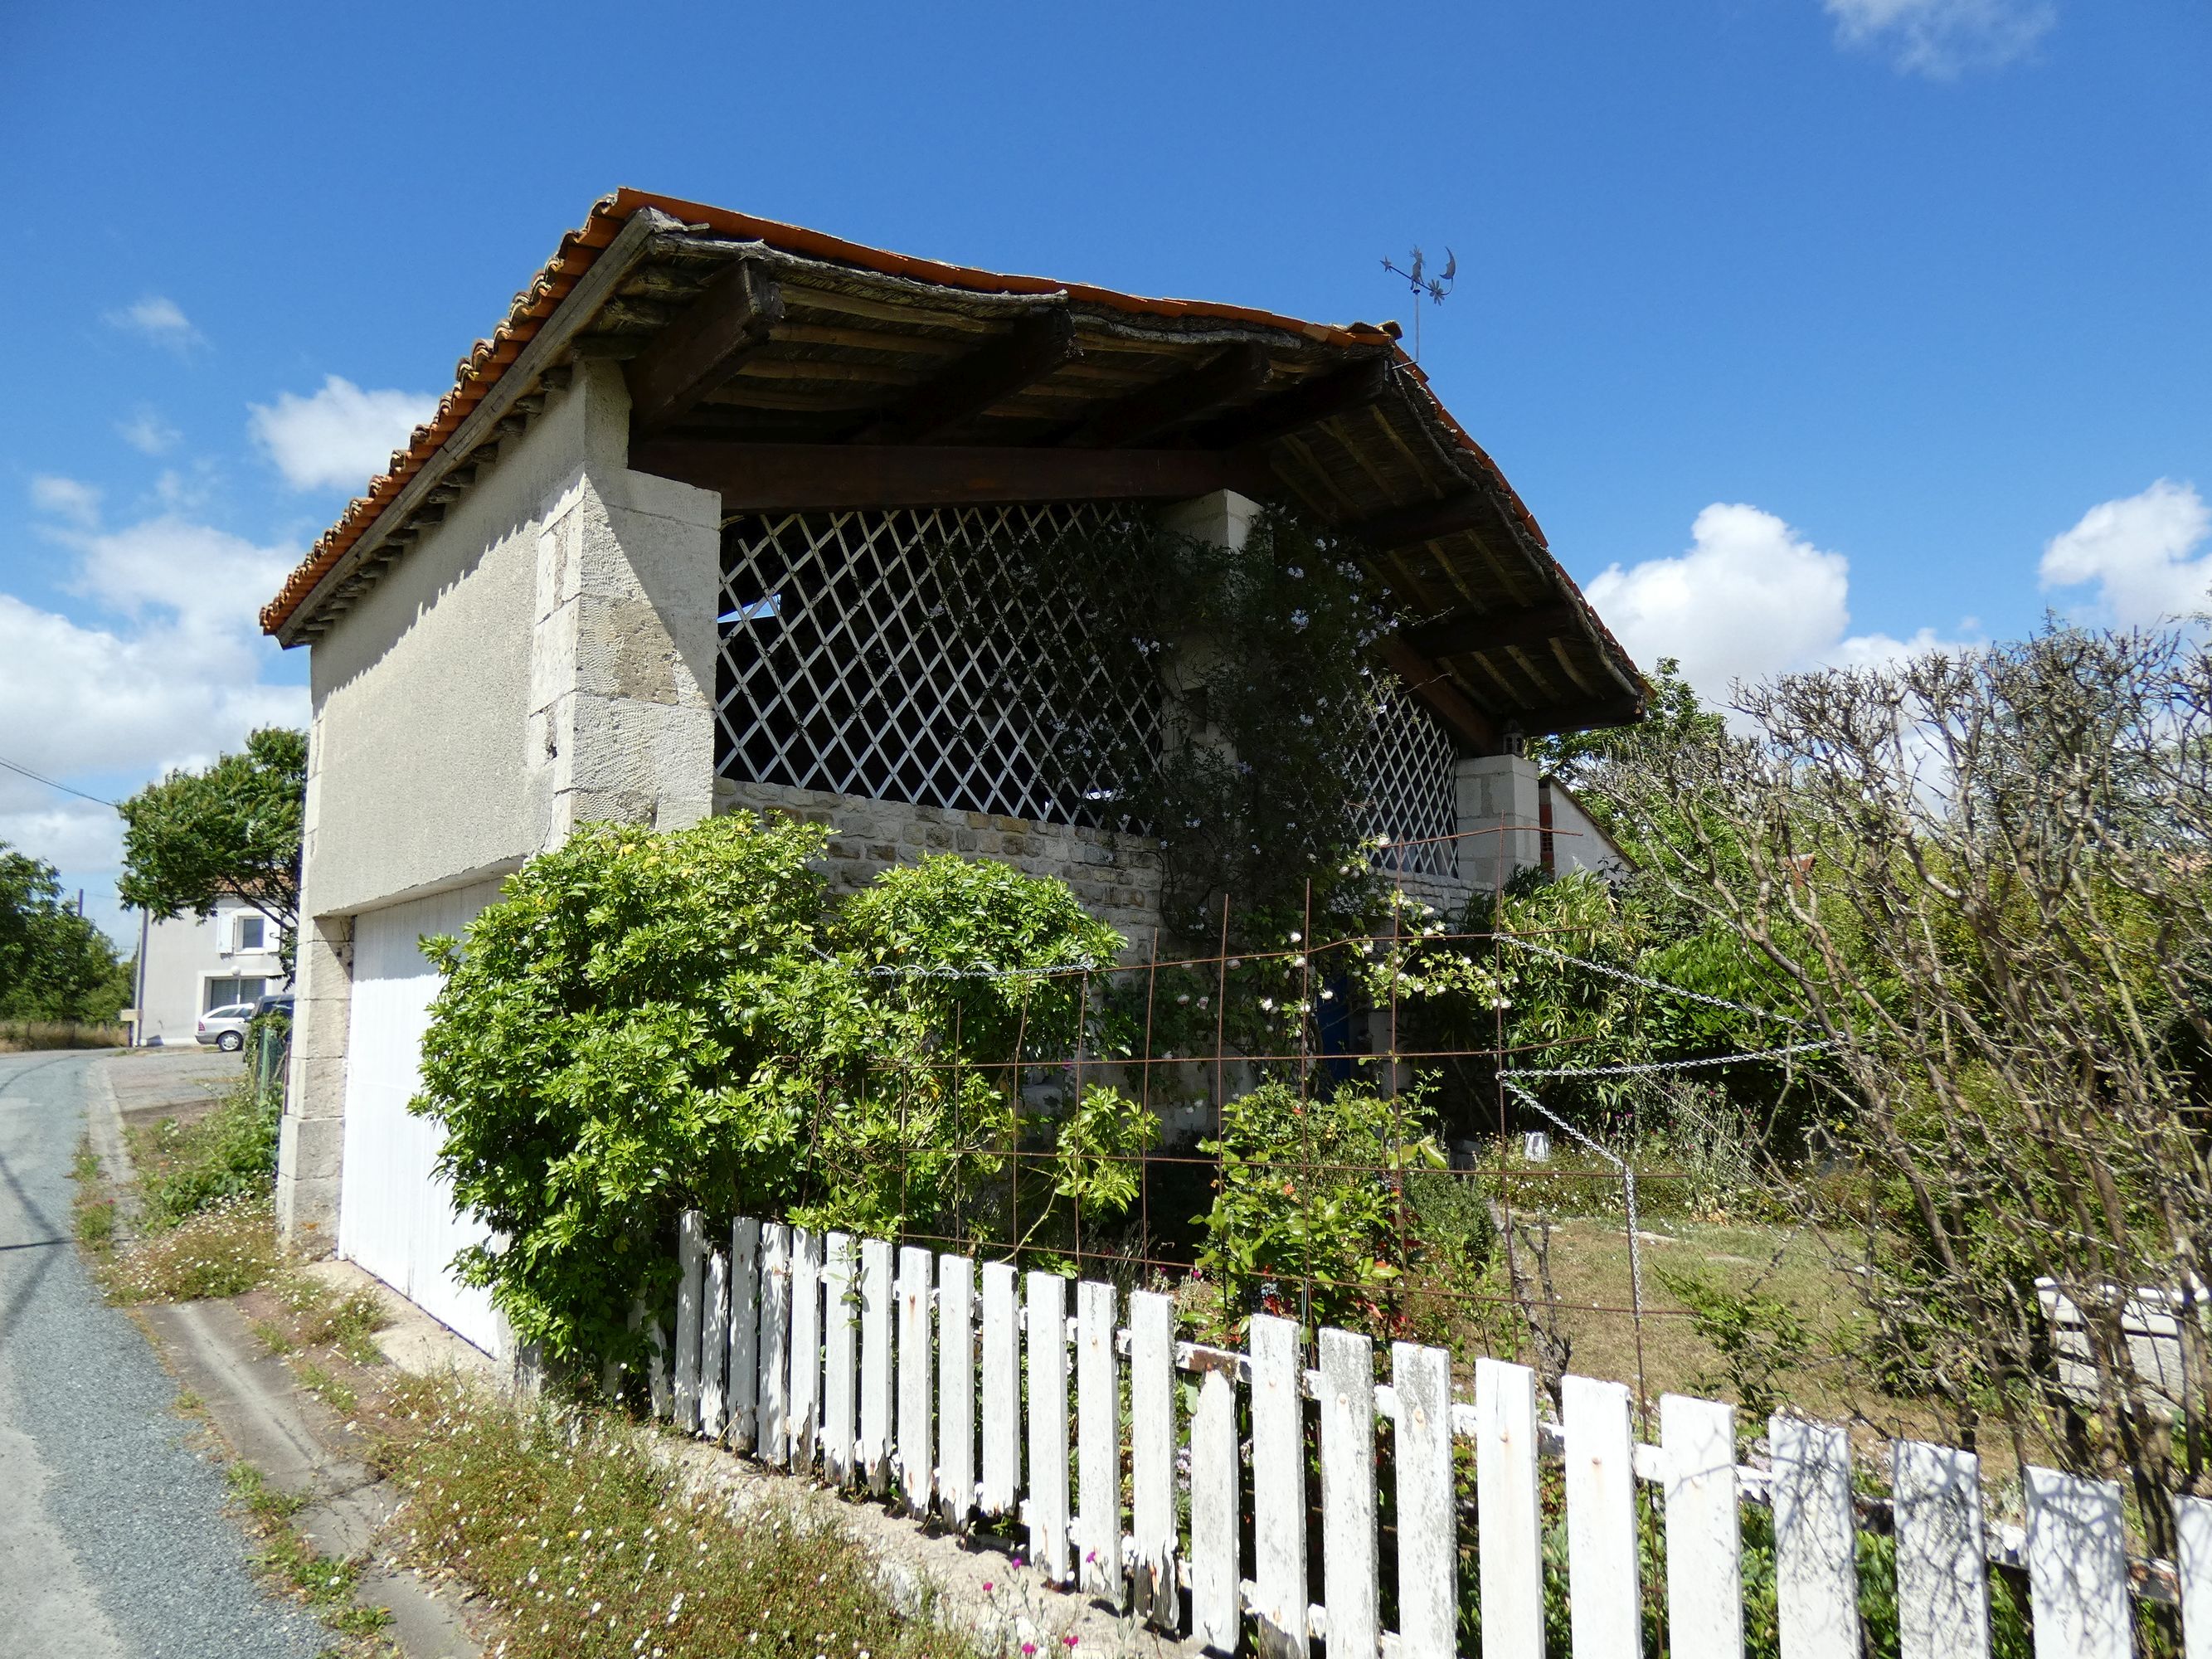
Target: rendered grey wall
544	657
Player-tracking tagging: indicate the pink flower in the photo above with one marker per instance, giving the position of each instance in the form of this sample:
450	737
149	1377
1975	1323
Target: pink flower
1070	1640
1029	1651
988	1587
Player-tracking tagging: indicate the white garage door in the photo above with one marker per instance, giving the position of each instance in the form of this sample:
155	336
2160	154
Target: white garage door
395	1215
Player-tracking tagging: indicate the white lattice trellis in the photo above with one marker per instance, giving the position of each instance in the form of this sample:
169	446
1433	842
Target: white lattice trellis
888	654
1412	799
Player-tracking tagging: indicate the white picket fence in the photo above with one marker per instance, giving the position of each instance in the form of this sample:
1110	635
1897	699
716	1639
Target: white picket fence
901	1372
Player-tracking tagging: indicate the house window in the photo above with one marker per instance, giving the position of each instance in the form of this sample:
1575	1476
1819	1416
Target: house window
222	993
250	932
881	654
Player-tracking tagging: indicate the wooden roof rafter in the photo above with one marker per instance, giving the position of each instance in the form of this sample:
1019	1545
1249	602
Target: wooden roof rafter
757	352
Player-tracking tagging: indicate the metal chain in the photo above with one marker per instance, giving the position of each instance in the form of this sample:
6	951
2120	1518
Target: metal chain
1649	1067
1649	984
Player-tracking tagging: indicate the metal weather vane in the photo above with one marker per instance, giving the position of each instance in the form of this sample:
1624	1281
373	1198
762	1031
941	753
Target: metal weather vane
1418	280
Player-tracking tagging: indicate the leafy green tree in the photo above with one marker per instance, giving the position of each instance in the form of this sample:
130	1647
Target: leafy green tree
54	964
231	830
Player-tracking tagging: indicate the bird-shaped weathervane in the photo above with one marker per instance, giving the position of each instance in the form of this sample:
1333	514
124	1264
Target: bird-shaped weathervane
1420	282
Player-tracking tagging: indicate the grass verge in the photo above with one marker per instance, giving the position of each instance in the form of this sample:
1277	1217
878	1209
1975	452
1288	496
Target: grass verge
186	1167
584	1546
324	1582
91	1205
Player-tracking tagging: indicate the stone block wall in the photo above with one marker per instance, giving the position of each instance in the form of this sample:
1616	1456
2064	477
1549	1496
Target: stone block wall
1115	877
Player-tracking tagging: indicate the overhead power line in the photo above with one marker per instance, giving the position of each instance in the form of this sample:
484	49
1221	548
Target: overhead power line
40	777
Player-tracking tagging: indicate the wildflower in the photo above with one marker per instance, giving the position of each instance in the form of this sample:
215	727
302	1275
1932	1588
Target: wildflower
988	1587
1070	1641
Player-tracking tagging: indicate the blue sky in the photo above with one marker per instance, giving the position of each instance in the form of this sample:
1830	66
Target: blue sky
1809	329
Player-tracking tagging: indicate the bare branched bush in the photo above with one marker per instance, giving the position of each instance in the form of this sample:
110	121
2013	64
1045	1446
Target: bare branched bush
1990	879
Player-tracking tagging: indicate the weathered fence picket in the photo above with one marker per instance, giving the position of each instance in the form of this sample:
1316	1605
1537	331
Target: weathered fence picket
1048	1412
1512	1559
1098	1442
955	1388
744	1367
1278	1486
1704	1538
875	1442
1152	1455
1604	1594
2077	1567
955	1381
916	1358
690	1266
713	1346
1002	1392
2192	1523
838	1379
773	1443
805	1348
1351	1577
1428	1553
1942	1562
1815	1552
1216	1602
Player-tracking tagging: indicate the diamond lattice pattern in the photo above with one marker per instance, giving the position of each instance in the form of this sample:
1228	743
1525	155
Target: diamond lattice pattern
856	660
1412	799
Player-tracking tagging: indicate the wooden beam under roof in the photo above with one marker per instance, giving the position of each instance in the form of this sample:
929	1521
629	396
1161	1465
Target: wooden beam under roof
1032	349
1424	522
704	346
1494	631
762	477
1581	716
1300	406
1442	694
1179	398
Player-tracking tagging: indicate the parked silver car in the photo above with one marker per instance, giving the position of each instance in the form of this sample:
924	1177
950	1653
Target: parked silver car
224	1027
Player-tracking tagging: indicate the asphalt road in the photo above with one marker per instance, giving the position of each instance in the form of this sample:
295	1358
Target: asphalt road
114	1542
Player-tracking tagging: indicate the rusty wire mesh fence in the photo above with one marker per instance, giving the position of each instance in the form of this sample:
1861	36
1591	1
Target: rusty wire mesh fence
1344	1130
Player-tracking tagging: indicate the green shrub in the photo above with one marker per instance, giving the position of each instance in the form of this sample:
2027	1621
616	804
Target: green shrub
645	1024
1307	1203
230	1153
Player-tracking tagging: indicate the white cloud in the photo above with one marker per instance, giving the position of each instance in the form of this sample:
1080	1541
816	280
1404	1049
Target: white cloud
1941	38
159	319
1750	597
340	437
173	680
67	498
2150	554
148	433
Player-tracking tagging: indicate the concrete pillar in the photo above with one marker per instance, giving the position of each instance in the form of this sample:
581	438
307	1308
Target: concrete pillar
1499	814
623	642
1224	517
616	722
310	1137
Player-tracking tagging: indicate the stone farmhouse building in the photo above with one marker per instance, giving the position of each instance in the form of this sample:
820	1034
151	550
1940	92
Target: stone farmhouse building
674	545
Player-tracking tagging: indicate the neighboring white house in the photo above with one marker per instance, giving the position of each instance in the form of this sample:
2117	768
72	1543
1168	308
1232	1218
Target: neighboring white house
682	539
193	964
